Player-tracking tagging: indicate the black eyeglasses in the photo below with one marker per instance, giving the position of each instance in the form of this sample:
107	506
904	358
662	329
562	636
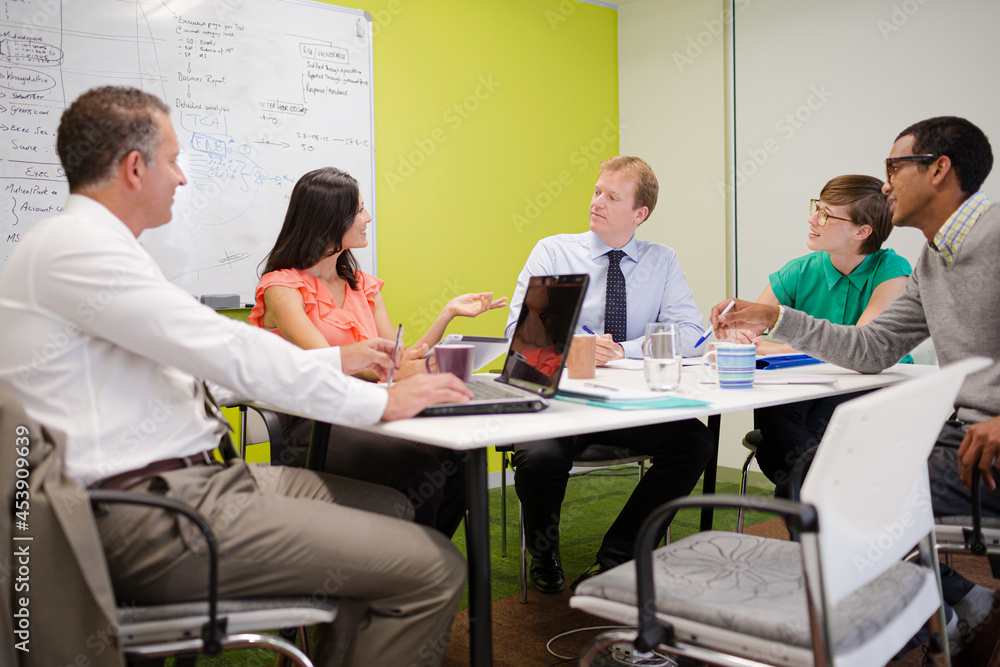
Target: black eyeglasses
821	214
891	162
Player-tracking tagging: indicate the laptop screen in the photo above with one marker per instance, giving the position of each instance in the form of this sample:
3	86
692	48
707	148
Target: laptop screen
544	332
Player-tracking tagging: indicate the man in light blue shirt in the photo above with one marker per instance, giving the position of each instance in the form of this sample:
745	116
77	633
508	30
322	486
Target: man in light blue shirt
656	288
632	283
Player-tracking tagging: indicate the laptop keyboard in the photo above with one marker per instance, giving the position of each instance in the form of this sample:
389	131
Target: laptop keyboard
493	390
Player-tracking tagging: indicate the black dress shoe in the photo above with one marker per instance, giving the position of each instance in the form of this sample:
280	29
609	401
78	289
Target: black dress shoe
591	571
547	573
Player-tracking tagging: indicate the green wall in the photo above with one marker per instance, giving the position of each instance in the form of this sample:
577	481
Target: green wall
480	106
491	117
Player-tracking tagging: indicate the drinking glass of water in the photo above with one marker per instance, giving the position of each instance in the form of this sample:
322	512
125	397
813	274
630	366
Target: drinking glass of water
661	353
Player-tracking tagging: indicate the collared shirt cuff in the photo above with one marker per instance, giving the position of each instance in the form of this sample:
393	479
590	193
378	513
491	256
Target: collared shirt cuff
632	349
367	406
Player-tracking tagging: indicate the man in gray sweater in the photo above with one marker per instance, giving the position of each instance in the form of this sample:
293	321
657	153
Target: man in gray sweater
933	175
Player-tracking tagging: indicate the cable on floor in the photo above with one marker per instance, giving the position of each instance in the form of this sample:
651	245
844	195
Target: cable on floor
548	644
564	659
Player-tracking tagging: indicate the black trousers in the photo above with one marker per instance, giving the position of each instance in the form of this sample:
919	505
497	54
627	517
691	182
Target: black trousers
680	451
431	478
788	431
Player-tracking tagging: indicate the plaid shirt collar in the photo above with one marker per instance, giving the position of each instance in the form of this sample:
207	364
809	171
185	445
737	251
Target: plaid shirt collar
954	230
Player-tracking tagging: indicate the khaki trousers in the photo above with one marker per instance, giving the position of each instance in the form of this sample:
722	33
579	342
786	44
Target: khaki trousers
286	532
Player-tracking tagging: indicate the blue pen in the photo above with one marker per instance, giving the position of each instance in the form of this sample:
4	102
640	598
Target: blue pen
708	329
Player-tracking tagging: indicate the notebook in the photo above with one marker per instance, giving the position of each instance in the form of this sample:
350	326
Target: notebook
536	355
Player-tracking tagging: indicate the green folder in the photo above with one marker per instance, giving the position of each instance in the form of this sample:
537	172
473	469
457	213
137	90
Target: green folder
650	404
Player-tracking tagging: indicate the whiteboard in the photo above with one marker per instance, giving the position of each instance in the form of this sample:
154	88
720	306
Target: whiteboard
823	88
261	91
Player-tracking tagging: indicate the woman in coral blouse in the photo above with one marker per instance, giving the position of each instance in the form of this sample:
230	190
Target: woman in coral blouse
314	294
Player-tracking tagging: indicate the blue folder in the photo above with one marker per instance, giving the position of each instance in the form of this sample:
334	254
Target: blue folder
786	361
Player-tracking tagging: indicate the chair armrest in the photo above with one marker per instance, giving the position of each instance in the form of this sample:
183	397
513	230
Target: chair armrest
215	629
977	544
275	434
319	440
801	516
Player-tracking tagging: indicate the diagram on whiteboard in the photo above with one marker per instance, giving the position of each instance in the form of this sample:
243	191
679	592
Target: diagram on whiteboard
260	92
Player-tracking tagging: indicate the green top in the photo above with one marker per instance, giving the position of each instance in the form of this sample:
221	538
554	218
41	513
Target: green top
811	284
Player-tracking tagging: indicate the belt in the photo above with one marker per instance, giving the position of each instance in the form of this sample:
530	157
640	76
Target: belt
129	478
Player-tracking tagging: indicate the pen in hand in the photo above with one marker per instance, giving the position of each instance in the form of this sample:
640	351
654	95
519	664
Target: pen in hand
395	351
708	329
587	329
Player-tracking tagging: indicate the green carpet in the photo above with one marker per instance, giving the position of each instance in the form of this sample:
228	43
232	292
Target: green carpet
593	500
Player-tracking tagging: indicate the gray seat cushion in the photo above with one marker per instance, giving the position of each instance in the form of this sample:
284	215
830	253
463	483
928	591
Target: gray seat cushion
128	615
755	586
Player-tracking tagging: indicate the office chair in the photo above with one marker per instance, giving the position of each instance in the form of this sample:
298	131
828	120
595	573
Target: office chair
594	456
186	629
842	596
139	633
922	354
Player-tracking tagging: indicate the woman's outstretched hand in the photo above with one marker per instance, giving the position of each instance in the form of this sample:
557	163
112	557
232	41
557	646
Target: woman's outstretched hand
473	304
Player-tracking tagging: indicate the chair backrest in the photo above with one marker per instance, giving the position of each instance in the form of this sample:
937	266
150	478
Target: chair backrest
868	480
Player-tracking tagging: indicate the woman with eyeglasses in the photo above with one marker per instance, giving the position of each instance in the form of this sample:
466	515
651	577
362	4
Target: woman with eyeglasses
847	279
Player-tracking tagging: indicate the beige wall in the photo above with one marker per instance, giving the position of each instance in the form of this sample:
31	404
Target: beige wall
672	103
673	116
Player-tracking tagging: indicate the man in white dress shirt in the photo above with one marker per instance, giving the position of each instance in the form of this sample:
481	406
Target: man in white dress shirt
109	356
632	283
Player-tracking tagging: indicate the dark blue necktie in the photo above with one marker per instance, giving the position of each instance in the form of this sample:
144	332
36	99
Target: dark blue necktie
614	305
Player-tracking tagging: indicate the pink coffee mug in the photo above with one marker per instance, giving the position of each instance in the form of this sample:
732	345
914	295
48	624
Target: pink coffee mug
454	359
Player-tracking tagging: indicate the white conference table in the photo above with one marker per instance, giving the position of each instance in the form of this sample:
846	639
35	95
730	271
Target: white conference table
474	433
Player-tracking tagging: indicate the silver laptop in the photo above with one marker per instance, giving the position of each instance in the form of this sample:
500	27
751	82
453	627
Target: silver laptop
537	352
